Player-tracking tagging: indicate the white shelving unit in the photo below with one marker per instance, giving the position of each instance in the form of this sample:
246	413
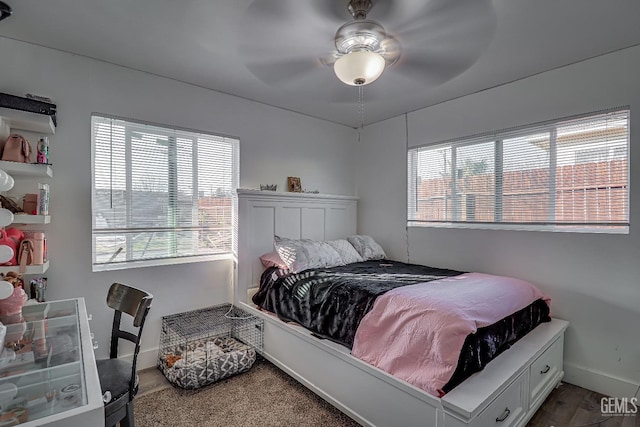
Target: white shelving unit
31	269
24	120
16	121
31	219
16	169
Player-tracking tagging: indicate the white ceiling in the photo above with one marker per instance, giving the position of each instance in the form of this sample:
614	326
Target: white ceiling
223	44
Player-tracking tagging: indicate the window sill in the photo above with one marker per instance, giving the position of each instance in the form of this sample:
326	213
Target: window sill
156	262
524	227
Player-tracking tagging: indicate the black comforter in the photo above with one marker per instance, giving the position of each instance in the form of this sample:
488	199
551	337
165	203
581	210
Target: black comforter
332	301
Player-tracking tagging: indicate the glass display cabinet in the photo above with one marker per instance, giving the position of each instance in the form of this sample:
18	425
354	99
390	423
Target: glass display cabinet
48	374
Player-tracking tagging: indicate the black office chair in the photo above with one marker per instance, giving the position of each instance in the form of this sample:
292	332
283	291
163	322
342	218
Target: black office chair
118	377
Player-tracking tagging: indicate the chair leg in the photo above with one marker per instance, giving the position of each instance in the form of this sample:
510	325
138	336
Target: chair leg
128	421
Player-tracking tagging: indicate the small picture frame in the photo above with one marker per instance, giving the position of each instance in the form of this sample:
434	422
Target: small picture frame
293	184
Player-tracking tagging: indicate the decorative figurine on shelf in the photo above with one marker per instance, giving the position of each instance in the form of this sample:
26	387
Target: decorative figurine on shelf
294	185
43	151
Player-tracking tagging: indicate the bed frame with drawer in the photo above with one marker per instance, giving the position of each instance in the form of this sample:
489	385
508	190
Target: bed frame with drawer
507	392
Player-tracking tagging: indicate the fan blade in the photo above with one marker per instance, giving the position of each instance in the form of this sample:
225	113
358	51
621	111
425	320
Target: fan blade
329	59
285	32
269	10
432	68
392	49
332	9
281	73
446	21
381	9
289	15
442	38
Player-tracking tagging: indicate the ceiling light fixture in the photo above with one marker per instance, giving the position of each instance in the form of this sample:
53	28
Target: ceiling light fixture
359	68
359	43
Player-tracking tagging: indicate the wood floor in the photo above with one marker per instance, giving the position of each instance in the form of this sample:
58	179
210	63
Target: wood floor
566	406
573	406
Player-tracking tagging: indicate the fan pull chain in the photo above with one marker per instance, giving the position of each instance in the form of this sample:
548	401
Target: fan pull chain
361	105
406	226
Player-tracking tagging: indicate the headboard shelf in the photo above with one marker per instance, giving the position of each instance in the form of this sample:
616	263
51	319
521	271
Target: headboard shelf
294	196
263	214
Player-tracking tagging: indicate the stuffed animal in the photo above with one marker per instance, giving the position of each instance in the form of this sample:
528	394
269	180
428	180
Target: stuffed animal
11	308
13	304
14	278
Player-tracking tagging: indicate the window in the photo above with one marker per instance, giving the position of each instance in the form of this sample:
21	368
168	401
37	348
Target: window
161	195
568	175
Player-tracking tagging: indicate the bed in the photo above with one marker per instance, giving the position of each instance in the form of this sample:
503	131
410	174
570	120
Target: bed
507	391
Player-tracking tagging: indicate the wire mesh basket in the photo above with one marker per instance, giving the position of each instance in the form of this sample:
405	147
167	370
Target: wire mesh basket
202	346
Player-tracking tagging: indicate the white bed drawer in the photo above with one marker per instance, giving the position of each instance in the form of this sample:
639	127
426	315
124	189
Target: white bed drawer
506	410
545	369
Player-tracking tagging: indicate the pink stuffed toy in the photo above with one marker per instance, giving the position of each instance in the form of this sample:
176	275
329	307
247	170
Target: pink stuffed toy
11	315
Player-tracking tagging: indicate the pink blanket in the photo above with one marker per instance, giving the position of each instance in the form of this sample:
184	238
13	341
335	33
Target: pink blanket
416	332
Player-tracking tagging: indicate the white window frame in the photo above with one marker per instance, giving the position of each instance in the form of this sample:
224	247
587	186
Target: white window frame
497	139
174	258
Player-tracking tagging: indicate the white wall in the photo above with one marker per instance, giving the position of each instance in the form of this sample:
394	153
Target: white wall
274	144
593	279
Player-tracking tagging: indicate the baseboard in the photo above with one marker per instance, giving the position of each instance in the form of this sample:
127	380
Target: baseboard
146	358
599	381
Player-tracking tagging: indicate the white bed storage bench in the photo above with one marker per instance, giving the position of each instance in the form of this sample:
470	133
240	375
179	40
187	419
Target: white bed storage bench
512	386
506	393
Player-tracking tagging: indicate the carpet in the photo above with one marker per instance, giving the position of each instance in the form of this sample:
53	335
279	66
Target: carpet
262	396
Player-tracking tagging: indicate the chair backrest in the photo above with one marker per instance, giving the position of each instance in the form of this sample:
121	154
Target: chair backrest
136	303
127	299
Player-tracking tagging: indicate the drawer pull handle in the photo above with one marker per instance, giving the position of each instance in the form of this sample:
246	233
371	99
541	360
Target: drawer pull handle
546	369
504	415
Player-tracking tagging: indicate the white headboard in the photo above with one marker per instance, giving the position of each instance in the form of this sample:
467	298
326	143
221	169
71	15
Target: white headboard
263	214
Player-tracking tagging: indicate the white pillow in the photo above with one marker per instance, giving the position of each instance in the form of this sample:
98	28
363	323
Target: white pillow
304	254
346	250
367	247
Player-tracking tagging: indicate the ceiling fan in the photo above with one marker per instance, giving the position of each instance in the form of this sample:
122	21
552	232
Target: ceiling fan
363	48
294	44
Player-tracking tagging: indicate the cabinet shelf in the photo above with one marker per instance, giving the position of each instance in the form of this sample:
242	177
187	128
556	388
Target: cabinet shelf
31	269
26	169
31	219
19	370
25	120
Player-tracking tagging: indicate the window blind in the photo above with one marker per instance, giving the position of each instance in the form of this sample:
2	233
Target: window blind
570	174
160	195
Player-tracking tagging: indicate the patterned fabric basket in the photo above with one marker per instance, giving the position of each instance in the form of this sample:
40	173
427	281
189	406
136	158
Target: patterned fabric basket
206	362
